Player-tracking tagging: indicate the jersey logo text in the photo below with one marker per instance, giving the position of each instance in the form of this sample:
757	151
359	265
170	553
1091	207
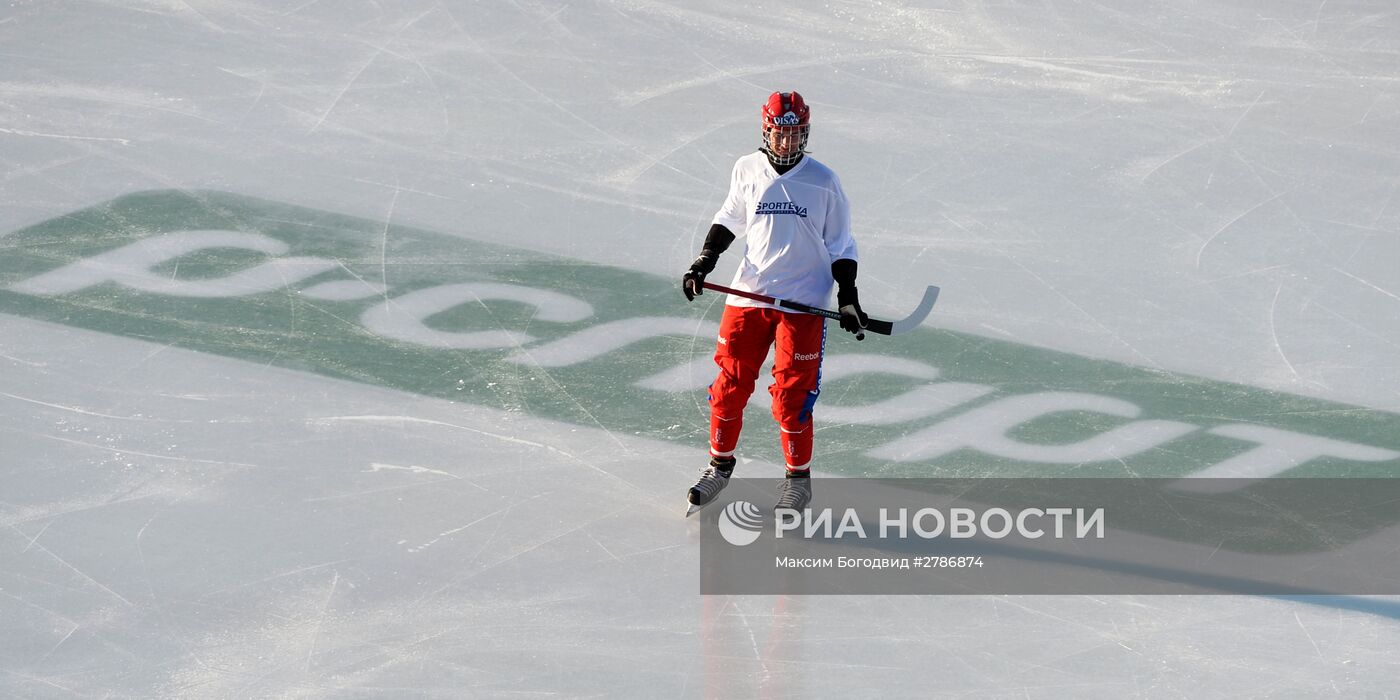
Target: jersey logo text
770	208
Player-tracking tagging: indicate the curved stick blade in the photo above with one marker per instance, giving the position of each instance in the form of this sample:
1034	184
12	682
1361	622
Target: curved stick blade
912	321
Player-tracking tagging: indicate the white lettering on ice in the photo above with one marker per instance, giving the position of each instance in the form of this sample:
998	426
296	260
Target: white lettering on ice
985	428
404	317
130	266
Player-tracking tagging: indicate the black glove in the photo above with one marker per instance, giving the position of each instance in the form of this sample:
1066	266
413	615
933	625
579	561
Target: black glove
716	241
853	320
693	281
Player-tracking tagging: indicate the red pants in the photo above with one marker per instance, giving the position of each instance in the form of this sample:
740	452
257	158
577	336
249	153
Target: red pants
745	335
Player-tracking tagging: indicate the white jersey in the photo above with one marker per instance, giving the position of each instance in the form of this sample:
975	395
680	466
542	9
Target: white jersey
793	225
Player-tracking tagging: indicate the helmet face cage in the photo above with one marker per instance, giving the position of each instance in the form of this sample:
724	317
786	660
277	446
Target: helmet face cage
797	140
787	117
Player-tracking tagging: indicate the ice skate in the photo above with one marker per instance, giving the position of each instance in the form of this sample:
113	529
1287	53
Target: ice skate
713	479
795	492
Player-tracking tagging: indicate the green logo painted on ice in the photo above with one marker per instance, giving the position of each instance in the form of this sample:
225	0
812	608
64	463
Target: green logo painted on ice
622	351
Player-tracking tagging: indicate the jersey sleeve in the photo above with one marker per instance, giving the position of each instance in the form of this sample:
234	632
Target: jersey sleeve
840	244
733	213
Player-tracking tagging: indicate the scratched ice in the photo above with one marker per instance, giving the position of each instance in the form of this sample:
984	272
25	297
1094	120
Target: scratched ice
1202	189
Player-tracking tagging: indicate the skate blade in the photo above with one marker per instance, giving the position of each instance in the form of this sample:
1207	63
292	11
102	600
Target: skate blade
692	509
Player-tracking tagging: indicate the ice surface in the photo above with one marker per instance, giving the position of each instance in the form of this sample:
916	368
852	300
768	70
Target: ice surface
1202	188
191	526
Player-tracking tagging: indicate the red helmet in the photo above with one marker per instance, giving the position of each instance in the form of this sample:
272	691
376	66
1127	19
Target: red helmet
787	114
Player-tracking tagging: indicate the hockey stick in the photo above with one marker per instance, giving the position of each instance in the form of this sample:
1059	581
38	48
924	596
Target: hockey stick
873	325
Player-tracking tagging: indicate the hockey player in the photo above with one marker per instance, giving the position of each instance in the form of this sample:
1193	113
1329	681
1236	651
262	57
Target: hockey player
796	223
